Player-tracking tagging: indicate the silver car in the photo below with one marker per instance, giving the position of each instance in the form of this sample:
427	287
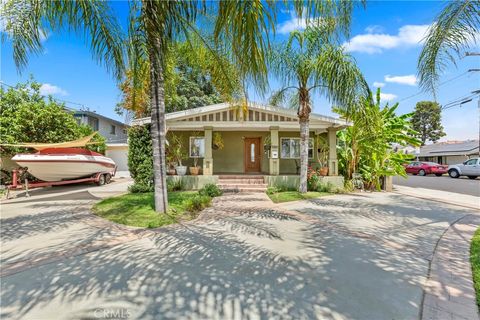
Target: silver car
469	168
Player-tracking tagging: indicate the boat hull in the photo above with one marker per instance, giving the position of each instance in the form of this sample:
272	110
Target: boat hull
64	167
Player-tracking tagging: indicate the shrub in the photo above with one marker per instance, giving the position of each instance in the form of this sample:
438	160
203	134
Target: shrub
198	203
140	155
211	190
325	187
140	188
273	190
175	185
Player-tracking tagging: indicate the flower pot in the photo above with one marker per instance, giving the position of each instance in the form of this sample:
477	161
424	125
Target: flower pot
171	171
181	170
324	171
194	171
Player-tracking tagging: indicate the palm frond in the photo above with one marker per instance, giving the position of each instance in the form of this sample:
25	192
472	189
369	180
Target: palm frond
455	29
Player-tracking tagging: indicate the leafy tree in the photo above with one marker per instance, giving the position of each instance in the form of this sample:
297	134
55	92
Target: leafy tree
314	61
455	30
366	146
426	121
26	116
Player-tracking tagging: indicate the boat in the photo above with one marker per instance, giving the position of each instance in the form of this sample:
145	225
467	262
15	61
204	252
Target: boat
58	164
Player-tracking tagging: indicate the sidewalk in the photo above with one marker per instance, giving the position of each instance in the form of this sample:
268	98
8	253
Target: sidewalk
453	198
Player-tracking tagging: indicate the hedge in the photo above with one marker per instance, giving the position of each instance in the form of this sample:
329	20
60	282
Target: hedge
140	157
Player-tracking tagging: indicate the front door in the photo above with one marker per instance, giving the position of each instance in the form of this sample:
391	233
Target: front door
252	153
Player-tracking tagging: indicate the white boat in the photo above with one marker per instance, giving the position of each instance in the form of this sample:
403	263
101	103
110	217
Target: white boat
57	164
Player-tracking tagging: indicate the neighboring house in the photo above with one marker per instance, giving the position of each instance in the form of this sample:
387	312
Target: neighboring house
450	152
265	140
115	133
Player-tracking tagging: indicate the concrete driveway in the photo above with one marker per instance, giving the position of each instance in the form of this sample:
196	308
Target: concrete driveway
363	256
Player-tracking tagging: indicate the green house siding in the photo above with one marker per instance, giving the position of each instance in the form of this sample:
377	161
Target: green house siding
231	158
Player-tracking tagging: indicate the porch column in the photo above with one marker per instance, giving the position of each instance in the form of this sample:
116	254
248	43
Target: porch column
274	160
332	152
208	159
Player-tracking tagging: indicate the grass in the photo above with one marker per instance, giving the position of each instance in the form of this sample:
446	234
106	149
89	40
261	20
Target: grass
475	261
137	209
286	196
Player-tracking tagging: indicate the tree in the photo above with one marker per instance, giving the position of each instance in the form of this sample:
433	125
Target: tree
26	116
454	30
427	121
366	146
313	61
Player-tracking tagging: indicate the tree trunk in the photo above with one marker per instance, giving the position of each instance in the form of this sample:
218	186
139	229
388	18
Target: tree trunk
304	118
157	97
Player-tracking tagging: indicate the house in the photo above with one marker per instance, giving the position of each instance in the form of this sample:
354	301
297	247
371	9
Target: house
450	152
262	141
115	133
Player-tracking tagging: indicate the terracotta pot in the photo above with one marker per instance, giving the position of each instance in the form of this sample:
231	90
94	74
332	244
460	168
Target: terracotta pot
324	171
194	171
171	172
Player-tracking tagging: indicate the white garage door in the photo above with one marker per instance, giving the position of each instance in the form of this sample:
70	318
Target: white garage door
120	156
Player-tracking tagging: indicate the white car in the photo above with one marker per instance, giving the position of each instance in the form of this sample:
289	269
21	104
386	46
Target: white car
469	168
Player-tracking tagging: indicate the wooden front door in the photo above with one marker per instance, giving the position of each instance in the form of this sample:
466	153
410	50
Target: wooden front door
252	160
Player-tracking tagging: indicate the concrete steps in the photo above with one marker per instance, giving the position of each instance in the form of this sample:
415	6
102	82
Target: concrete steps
242	183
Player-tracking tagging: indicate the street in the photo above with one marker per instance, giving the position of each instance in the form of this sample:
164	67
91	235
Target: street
461	185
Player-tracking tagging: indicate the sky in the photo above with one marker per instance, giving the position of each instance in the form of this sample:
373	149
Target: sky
386	39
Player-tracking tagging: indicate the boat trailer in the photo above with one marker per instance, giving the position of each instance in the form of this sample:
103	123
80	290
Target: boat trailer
99	178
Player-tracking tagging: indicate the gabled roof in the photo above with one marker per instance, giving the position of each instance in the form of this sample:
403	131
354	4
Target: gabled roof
259	117
449	148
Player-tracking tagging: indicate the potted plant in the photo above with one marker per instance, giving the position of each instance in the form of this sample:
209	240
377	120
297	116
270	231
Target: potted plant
170	164
195	152
178	154
217	141
267	144
322	155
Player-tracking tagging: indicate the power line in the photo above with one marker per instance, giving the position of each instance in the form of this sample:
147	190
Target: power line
441	84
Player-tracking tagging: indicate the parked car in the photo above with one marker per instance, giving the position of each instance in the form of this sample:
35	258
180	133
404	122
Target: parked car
469	168
424	168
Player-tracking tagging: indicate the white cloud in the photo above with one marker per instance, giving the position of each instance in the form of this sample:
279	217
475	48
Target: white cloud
407	36
48	89
294	23
410	80
374	29
387	97
378	84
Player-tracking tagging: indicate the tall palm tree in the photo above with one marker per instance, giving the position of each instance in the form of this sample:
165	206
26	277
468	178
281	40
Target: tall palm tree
456	29
311	62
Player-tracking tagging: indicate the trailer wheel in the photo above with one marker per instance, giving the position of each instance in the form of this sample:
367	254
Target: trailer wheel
108	178
101	180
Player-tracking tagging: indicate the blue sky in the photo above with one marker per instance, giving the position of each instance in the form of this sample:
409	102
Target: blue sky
385	41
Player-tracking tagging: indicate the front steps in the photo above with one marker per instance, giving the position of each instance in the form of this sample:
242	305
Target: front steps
241	183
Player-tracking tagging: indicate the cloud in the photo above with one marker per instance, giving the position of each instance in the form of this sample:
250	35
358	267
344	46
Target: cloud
409	80
407	36
387	97
378	84
374	29
49	89
294	23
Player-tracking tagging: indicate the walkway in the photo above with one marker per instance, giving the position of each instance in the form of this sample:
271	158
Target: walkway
362	256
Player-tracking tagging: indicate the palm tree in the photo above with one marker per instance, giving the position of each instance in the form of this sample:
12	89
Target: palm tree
456	29
313	62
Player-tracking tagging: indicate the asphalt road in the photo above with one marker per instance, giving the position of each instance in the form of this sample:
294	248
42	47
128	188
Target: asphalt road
461	185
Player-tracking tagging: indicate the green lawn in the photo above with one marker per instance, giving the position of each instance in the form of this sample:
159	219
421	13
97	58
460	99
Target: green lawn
136	209
286	196
475	261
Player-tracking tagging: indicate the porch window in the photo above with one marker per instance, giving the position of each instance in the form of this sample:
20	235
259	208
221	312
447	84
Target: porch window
197	147
291	148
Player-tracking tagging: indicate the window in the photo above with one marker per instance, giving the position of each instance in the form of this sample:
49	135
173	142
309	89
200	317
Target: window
112	129
471	162
197	147
291	148
93	123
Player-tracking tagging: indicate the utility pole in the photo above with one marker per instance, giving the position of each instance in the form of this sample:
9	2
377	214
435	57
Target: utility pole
476	92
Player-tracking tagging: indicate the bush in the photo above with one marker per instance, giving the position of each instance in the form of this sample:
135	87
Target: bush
140	155
198	203
211	190
175	185
140	188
